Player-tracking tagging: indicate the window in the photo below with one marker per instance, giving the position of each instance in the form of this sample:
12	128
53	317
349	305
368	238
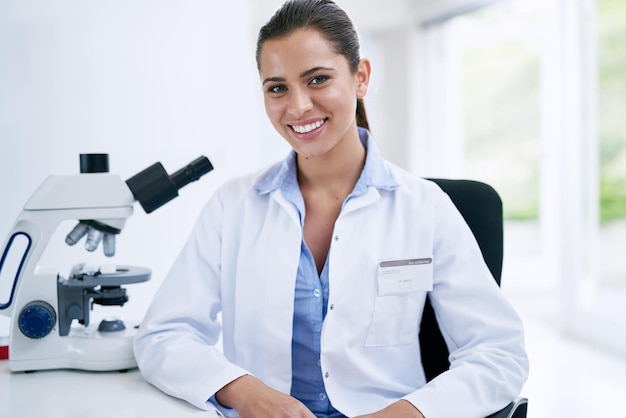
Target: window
533	93
501	54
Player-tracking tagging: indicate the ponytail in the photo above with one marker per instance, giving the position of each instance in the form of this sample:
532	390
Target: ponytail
361	116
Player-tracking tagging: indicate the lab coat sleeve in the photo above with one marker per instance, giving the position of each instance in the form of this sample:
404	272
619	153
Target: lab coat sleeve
483	332
176	344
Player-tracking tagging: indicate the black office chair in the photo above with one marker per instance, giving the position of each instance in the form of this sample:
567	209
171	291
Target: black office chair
481	207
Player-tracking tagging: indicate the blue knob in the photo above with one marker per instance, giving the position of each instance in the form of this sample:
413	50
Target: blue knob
37	319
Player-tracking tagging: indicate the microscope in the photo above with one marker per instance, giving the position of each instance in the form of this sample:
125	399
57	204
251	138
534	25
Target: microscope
50	325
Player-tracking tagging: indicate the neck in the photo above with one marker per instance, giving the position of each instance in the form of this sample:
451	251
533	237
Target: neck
336	171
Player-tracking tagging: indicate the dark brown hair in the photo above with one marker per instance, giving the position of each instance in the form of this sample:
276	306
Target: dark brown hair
327	18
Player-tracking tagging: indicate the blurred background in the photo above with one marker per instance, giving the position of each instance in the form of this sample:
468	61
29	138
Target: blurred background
529	96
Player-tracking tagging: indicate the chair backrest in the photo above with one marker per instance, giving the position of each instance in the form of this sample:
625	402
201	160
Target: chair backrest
481	207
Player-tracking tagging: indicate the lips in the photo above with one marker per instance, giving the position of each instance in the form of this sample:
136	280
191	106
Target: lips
309	127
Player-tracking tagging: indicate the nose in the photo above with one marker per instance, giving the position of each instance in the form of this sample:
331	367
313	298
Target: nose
299	102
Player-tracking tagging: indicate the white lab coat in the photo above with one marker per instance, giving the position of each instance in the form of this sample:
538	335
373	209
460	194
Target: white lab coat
241	261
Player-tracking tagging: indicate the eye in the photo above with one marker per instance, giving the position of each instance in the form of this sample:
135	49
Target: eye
278	88
320	79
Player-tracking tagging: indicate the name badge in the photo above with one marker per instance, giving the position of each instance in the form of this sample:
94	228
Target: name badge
403	276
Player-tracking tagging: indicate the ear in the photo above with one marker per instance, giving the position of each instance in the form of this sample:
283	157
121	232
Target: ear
363	73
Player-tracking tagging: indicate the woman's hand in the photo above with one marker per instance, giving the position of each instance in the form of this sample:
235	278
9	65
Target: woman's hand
400	409
253	399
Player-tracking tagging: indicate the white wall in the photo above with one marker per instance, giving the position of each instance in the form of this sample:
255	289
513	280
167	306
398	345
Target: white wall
379	15
143	81
155	80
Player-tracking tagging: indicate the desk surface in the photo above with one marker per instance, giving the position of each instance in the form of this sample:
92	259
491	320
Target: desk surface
83	394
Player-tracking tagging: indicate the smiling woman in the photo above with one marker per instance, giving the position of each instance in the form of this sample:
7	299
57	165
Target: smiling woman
310	263
308	85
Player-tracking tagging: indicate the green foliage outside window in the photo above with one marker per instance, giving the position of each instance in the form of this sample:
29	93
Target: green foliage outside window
611	26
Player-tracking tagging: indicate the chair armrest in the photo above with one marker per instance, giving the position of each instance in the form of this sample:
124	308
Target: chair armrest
516	409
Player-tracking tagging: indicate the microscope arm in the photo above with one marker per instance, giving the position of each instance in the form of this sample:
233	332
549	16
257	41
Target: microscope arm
30	236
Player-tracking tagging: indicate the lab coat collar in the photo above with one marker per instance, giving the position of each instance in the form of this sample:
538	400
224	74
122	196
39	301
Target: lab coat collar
375	173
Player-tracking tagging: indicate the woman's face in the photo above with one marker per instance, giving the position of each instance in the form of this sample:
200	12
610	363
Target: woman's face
309	91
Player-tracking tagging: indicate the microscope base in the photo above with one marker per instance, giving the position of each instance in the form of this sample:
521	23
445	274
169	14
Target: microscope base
85	348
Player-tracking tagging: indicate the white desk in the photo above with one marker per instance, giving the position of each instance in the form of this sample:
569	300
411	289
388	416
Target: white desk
82	394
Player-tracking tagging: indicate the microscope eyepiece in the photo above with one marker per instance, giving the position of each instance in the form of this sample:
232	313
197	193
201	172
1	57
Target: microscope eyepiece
94	163
192	172
153	187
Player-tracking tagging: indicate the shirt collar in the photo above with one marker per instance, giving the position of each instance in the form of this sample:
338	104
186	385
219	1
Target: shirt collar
375	173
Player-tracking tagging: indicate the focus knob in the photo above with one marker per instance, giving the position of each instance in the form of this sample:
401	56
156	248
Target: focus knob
37	319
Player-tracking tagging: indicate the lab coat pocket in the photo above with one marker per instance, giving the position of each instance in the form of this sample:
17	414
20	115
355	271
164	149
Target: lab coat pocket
396	319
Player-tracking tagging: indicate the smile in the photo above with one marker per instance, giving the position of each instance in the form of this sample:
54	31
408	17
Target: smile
303	129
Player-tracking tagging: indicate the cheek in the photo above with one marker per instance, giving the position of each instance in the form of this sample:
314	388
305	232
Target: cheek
273	109
344	99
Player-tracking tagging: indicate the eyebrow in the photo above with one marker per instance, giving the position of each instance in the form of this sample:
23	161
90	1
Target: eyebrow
302	75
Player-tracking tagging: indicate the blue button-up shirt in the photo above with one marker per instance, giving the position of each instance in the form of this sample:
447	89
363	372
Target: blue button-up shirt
311	294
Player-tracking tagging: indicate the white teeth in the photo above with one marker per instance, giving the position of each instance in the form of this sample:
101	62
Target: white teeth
308	128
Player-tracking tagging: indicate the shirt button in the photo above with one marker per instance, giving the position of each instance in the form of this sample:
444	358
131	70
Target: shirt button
332	306
319	362
317	293
317	327
327	375
322	396
336	237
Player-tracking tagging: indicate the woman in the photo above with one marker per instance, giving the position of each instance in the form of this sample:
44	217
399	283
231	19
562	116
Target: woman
321	264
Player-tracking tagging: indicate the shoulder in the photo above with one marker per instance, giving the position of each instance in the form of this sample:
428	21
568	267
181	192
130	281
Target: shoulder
245	185
235	196
414	185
